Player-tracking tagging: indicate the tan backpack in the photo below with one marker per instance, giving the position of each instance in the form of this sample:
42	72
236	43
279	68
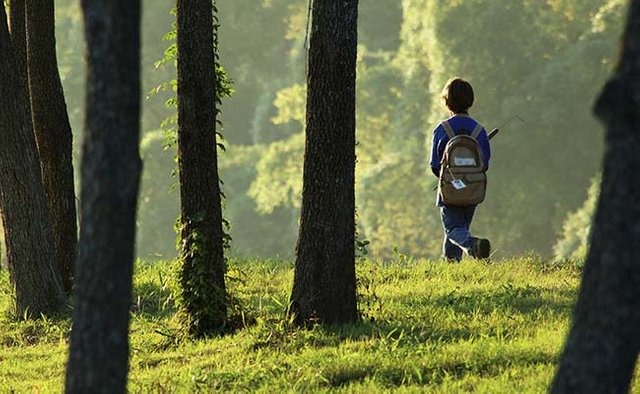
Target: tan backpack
463	179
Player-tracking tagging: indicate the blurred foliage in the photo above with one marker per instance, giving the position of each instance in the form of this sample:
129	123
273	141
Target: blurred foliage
539	60
290	103
279	175
574	241
158	205
255	232
544	60
70	48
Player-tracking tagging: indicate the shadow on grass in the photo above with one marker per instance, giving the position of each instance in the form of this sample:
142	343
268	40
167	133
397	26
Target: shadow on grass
154	304
20	332
504	314
431	372
509	299
516	304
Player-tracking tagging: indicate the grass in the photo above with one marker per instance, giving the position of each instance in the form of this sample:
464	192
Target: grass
427	327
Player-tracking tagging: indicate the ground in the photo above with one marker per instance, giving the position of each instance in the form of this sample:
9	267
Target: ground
427	326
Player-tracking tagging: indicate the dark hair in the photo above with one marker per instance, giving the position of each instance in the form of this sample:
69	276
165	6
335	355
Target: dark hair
458	95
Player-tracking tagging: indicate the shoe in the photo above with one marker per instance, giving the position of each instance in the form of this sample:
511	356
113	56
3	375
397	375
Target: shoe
480	248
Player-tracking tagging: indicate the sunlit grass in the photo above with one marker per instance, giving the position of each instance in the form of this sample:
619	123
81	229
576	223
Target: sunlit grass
427	326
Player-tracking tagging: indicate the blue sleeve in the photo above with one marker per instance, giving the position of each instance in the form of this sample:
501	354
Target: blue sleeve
483	141
434	162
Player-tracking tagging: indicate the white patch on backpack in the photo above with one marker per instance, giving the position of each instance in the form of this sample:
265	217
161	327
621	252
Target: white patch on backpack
464	161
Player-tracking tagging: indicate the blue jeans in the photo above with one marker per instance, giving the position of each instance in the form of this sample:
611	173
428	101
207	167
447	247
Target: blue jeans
457	238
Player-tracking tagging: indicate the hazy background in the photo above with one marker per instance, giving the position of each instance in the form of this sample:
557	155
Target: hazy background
543	60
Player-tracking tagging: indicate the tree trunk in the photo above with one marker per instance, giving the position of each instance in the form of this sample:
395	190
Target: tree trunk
53	132
111	165
28	236
324	285
603	344
17	21
202	252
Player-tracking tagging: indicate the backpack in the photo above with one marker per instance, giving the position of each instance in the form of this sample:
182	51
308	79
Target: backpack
463	179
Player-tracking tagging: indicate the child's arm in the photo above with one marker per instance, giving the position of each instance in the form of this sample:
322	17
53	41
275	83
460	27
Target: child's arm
435	150
483	141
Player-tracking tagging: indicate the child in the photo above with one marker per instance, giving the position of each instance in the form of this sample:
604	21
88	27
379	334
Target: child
458	97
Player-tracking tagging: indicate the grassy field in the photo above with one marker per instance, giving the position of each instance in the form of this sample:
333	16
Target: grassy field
427	327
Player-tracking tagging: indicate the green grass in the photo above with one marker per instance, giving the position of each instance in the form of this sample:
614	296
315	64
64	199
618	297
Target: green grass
427	327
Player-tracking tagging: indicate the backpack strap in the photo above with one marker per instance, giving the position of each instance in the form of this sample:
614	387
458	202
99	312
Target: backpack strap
448	129
476	132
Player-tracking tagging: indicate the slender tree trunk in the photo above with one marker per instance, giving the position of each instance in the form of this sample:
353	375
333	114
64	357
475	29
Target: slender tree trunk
28	236
324	285
17	29
603	344
53	132
17	21
202	252
98	356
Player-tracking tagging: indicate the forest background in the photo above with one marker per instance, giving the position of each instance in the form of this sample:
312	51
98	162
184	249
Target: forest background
543	61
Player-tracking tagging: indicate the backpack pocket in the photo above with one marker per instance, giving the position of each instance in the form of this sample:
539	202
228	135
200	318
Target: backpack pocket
462	188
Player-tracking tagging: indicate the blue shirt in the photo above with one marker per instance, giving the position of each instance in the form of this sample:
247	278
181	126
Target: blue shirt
440	139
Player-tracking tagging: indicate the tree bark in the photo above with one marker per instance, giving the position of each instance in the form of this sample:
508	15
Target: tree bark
53	132
28	237
324	287
603	343
18	27
111	165
202	252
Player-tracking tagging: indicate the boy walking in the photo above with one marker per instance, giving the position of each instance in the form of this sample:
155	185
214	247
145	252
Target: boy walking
456	217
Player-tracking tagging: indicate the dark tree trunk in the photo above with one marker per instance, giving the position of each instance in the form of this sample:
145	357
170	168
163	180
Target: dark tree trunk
324	286
99	350
17	21
53	132
202	252
602	346
28	237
